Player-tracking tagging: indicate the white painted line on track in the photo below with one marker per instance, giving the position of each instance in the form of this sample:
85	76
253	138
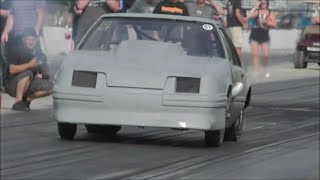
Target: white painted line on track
255	128
294	109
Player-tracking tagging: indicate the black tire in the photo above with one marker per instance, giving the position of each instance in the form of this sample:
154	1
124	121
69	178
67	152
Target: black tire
108	130
214	138
299	60
67	130
233	133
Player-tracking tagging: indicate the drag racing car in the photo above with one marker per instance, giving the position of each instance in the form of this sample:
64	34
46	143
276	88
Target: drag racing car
151	70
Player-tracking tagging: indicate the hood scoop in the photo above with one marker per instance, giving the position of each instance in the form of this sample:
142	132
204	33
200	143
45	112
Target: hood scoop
144	52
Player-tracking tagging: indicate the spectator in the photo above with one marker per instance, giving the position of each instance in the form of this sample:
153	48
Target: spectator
236	23
259	36
23	14
88	11
28	77
4	13
172	7
71	23
144	6
200	9
124	5
303	21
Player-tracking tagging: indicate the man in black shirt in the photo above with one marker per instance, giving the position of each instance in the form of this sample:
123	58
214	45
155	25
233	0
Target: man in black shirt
172	7
28	75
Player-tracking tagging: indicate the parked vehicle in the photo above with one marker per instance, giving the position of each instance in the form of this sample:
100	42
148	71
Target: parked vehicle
152	70
308	47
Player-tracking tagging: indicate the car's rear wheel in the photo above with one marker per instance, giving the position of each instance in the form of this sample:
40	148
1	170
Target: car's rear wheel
233	133
214	138
108	130
299	60
67	130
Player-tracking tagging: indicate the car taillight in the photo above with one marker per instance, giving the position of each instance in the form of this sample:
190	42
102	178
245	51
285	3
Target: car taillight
84	79
187	85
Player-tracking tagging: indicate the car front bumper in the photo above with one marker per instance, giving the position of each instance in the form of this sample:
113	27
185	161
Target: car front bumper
313	56
140	107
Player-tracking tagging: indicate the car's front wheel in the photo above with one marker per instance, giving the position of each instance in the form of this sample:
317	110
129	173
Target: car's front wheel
108	130
67	130
214	138
233	133
299	60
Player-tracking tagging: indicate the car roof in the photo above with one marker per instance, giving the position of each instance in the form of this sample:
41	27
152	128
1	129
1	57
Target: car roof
160	16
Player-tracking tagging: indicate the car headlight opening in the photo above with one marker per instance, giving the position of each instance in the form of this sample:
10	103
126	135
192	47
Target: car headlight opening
187	85
84	79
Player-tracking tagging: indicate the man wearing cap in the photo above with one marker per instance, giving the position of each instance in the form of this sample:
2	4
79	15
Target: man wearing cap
28	76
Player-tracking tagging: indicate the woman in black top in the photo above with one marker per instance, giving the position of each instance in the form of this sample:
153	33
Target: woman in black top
259	36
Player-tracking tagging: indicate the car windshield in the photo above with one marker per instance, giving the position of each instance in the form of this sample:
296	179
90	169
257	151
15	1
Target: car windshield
196	38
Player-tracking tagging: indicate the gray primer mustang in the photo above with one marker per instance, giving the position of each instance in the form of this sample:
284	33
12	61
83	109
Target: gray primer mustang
153	71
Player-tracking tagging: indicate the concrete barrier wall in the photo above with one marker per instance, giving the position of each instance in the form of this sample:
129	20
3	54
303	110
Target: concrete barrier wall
55	42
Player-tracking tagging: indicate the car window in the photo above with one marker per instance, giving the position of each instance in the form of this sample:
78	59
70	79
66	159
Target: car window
196	38
231	50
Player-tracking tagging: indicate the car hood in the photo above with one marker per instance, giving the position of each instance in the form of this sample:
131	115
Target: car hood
146	65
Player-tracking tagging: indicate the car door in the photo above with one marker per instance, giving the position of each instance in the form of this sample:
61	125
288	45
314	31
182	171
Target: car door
238	73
